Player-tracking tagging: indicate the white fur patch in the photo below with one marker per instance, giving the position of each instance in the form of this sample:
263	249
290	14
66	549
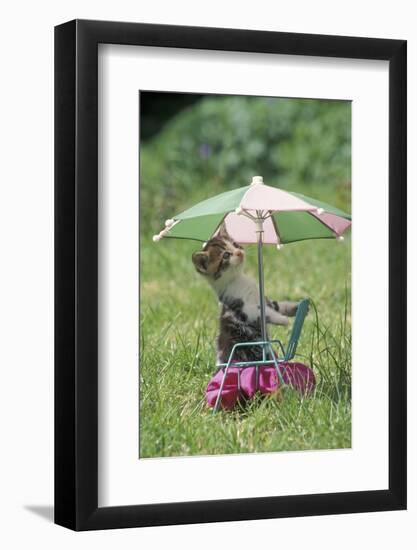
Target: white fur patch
236	285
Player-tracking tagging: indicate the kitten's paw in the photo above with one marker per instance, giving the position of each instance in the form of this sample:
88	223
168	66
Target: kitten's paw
289	308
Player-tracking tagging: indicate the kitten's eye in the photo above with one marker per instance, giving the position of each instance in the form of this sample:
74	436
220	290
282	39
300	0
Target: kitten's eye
236	245
226	255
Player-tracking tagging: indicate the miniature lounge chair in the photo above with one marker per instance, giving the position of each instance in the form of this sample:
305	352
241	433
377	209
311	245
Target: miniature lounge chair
267	350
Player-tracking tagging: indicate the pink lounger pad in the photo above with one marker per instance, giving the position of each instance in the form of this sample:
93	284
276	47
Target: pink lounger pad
296	375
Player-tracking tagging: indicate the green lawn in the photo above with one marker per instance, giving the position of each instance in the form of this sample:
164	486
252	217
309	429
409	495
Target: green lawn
178	324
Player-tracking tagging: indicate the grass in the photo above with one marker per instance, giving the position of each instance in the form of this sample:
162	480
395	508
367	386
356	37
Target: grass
178	327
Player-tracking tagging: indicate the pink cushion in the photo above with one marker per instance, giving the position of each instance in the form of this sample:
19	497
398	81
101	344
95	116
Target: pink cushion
296	375
230	393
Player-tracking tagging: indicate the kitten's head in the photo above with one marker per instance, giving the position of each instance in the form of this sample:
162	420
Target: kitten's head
220	256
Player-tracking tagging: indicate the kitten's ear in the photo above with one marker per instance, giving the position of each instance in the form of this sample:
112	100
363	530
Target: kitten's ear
200	261
222	233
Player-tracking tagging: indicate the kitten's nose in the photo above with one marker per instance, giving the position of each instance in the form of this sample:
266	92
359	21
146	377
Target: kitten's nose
239	253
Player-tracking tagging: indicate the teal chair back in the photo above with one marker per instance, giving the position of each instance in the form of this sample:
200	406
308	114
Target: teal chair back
296	329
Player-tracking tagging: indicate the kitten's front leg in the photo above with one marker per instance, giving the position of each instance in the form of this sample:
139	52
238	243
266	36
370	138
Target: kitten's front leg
286	308
275	317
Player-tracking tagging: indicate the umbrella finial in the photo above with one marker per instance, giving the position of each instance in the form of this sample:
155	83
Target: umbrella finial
257	179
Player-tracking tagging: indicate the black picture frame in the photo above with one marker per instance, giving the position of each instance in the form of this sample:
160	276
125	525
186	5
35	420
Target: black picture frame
76	273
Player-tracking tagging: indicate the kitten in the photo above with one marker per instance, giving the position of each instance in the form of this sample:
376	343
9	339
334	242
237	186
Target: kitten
221	263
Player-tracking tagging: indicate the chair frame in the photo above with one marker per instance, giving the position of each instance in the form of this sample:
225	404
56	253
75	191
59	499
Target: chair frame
266	346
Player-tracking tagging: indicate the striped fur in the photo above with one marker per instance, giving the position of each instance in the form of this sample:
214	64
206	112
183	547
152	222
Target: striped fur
221	263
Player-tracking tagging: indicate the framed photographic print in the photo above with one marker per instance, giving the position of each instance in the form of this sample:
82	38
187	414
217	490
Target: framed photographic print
230	252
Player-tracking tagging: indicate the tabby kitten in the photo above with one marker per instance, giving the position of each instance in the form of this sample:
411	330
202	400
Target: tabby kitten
221	263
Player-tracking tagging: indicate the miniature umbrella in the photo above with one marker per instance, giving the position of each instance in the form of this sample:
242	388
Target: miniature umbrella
259	214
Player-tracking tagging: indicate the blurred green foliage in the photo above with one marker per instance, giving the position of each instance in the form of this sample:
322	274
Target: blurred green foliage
222	141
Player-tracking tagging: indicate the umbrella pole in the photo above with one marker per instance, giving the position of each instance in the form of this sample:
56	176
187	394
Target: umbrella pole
260	230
